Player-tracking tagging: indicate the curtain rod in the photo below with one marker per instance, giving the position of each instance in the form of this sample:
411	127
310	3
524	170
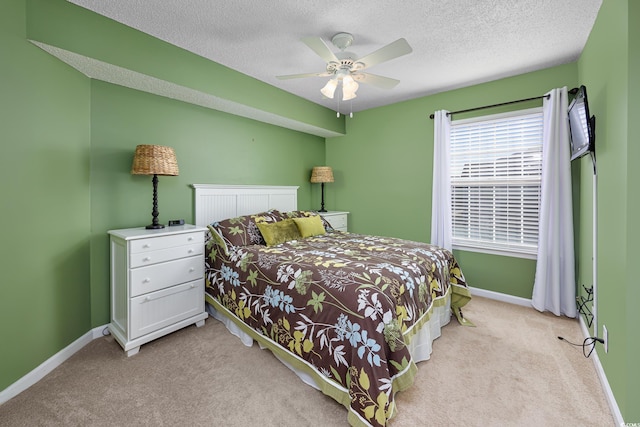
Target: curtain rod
494	105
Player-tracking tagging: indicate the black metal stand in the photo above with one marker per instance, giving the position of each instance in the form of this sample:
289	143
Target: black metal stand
583	306
155	225
322	209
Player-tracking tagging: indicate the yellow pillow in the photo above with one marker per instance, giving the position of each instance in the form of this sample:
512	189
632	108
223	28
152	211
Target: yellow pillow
310	226
278	232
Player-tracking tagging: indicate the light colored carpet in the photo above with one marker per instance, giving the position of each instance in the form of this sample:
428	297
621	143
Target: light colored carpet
511	370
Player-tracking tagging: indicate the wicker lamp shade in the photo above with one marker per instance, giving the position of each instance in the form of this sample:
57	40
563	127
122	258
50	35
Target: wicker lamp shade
154	160
322	174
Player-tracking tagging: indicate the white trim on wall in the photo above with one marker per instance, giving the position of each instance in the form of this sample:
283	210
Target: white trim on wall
57	359
611	400
49	365
500	297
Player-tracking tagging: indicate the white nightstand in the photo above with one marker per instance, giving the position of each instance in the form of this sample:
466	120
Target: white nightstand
157	283
337	219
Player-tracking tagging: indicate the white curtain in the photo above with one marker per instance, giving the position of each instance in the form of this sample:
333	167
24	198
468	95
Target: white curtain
441	233
554	288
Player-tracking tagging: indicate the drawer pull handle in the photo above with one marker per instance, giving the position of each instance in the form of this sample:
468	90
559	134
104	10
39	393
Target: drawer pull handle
147	258
190	251
146	246
191	270
146	280
147	299
190	239
193	286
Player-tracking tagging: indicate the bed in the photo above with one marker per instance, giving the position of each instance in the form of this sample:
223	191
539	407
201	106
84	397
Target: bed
351	314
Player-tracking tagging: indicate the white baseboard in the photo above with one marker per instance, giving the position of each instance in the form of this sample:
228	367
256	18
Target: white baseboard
613	405
49	365
57	359
500	297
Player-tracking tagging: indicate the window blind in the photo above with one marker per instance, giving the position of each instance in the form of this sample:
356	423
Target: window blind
496	168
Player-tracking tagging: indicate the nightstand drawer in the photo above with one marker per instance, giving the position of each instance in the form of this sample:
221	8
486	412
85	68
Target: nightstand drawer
158	243
162	308
140	259
338	222
159	276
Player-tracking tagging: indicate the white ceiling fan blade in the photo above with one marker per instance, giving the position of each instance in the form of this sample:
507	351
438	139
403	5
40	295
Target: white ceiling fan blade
375	80
300	76
320	48
392	50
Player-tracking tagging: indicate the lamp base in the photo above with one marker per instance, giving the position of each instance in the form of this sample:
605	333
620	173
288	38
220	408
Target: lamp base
322	209
155	225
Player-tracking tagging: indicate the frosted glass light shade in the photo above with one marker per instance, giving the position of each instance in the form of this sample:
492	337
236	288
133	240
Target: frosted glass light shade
349	88
329	89
348	95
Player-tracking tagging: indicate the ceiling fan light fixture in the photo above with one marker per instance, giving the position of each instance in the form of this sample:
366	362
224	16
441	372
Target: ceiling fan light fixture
329	89
349	82
347	96
343	66
349	88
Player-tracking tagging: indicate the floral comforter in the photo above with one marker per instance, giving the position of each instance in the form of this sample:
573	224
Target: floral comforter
344	305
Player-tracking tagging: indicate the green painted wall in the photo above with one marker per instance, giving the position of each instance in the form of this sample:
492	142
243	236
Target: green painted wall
383	170
68	143
211	147
609	67
64	25
631	334
45	193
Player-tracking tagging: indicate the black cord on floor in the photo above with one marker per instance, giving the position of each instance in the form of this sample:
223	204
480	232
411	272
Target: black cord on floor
590	341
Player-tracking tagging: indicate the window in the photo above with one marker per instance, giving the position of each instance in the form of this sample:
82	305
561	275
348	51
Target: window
496	168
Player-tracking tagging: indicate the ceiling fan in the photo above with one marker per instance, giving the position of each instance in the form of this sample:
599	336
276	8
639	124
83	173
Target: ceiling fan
344	67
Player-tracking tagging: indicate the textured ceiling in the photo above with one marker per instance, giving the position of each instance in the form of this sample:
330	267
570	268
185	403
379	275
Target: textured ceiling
455	43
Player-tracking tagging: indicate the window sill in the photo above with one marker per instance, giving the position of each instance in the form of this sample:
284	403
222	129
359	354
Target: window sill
501	252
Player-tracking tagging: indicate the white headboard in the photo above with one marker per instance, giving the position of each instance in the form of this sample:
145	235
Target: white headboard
217	202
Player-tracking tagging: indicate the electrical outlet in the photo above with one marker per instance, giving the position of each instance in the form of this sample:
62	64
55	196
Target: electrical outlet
605	337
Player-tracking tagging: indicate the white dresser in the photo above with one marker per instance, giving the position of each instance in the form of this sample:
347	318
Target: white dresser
337	219
157	283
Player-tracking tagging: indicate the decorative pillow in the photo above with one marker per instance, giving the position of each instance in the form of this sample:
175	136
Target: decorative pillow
304	214
275	233
298	214
243	230
218	240
310	226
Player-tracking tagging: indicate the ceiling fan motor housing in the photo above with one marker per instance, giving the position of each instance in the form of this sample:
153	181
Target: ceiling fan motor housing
342	40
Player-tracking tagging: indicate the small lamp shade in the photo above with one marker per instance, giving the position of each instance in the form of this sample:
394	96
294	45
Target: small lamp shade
154	160
322	174
329	89
349	88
